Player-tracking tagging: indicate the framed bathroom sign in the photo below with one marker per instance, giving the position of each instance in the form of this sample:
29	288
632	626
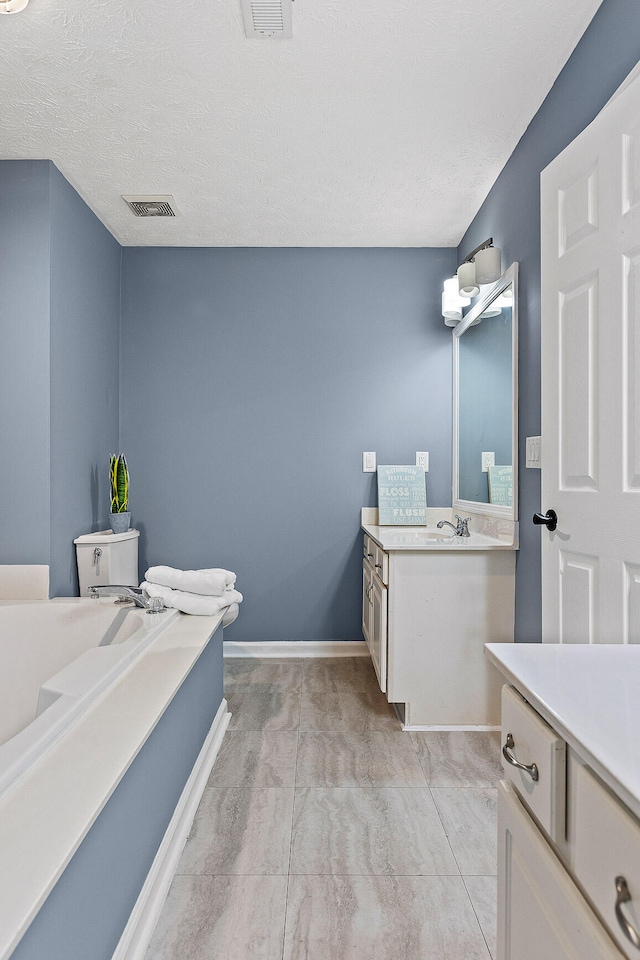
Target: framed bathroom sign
501	485
402	495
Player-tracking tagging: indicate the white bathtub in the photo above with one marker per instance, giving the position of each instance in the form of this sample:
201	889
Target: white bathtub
57	658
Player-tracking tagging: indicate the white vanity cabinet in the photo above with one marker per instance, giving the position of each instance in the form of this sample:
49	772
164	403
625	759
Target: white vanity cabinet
375	574
569	815
426	615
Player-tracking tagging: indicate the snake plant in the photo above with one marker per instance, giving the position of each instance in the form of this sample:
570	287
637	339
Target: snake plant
119	477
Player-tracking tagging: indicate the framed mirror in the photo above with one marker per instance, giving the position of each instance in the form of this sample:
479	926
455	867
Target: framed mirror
485	391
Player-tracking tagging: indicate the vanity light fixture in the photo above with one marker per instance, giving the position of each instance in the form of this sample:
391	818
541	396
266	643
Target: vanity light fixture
453	303
12	6
482	265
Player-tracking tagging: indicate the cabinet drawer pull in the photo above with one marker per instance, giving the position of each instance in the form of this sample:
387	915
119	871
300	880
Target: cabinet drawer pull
623	896
532	769
378	566
370	555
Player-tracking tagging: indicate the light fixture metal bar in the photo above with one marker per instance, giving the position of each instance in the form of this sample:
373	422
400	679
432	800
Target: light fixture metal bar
481	246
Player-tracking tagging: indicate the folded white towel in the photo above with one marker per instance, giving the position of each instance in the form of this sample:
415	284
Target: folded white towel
210	583
193	603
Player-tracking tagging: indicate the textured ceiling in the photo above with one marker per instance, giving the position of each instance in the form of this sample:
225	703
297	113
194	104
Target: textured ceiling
381	123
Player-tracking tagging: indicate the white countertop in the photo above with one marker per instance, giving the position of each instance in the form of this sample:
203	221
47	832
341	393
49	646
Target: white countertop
590	694
430	538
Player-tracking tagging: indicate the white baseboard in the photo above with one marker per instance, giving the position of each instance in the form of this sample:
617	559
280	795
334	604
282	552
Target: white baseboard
296	648
137	933
453	727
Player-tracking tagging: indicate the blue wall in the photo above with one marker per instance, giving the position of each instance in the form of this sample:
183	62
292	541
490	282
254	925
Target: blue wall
85	341
24	361
59	368
606	54
251	382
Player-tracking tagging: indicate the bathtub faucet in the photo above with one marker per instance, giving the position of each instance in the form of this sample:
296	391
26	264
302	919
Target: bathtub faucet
125	594
461	529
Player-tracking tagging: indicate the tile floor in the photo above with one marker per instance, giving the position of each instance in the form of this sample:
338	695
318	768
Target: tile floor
326	833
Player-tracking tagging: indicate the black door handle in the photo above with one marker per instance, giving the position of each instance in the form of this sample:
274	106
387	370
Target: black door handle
548	519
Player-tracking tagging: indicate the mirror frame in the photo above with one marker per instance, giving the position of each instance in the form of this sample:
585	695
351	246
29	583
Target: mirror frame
509	277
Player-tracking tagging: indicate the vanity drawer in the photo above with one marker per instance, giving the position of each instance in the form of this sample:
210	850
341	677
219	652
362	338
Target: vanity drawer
368	549
607	846
378	559
381	563
528	740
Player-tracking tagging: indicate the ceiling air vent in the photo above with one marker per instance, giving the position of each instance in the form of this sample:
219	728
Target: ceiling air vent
267	18
152	206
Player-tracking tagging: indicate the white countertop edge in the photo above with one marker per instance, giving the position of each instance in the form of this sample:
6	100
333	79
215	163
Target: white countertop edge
385	536
32	854
611	766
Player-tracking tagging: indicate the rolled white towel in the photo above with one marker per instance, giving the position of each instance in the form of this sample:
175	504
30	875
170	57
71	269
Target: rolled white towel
192	603
211	582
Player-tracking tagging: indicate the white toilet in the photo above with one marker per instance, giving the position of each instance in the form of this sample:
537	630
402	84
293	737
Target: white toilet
107	557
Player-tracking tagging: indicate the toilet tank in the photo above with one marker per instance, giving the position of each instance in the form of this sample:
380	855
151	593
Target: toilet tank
107	557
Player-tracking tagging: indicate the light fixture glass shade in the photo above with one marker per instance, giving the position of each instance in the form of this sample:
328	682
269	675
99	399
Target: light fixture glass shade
452	303
12	6
451	317
488	265
467	280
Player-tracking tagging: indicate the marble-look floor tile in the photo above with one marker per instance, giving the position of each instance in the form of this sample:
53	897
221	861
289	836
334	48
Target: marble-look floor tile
229	918
347	709
377	918
483	892
373	759
355	831
252	759
459	758
238	831
263	670
263	706
470	820
333	673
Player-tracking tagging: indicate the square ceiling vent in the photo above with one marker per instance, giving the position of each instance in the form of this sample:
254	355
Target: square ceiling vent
270	19
151	206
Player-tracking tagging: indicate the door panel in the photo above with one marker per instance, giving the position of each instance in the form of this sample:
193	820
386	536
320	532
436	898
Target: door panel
578	598
579	376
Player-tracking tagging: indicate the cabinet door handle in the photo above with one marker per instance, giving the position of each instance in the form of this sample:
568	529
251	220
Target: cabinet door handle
623	896
532	769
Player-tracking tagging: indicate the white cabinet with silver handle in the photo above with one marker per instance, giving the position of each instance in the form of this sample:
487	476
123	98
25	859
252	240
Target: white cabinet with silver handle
569	805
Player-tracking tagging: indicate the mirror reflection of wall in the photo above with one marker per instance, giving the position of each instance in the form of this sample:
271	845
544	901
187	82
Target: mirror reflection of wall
485	405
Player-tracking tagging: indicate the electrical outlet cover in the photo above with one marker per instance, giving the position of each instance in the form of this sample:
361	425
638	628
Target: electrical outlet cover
488	460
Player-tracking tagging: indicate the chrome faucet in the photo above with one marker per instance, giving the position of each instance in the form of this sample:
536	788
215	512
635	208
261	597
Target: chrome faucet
125	594
460	530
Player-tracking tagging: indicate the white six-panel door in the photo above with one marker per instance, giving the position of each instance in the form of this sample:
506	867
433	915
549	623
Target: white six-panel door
591	380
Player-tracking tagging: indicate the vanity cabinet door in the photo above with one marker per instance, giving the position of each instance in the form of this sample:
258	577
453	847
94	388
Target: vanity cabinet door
367	603
541	913
378	628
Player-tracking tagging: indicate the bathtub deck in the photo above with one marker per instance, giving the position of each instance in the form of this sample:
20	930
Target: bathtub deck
34	855
326	832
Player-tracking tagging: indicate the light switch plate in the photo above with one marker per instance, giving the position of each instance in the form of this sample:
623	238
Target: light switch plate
534	460
368	463
488	460
422	460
